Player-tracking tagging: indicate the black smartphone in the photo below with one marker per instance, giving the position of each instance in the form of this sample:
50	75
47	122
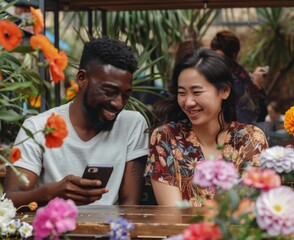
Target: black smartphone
100	172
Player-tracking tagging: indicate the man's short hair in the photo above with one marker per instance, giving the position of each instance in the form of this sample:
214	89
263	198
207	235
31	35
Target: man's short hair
106	50
227	42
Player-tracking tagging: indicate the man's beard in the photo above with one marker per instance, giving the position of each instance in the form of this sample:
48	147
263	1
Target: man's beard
94	118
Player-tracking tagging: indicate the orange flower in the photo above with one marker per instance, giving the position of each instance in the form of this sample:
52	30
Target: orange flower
55	131
42	42
261	178
15	155
39	20
10	35
71	92
289	121
57	65
33	206
35	101
246	206
1	75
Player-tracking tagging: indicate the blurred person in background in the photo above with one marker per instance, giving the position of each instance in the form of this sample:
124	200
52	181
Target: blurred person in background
274	113
258	77
247	108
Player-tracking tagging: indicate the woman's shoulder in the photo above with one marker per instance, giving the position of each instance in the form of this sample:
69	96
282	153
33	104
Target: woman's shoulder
245	129
244	126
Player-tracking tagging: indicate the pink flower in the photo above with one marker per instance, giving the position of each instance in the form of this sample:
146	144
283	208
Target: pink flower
56	218
275	212
213	173
280	159
262	179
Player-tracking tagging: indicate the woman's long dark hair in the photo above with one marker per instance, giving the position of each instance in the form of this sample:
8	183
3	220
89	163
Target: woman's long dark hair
211	65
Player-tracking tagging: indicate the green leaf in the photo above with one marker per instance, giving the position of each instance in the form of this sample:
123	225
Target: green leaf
28	132
8	5
234	199
196	219
15	86
8	57
23	49
10	116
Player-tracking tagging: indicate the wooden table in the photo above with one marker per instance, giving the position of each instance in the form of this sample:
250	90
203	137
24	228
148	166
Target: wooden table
150	221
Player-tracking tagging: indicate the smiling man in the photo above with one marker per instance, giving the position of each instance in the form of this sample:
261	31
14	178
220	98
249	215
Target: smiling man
100	131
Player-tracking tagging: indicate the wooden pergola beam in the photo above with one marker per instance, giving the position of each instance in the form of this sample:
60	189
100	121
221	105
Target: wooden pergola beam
130	5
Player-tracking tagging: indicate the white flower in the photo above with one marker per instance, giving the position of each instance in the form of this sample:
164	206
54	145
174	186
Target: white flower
3	229
7	211
280	159
13	225
25	230
275	211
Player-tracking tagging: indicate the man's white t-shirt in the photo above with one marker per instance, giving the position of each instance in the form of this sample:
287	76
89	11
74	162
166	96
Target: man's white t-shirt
125	142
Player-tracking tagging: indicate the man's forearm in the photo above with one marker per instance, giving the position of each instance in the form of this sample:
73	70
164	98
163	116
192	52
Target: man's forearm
19	198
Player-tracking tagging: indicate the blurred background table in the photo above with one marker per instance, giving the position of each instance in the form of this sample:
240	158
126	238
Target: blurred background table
151	222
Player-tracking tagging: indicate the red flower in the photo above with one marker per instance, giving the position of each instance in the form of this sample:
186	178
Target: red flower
10	35
202	231
58	61
39	20
55	131
15	155
57	65
42	42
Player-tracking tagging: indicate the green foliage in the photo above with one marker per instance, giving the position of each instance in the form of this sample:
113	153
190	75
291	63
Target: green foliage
272	43
162	29
20	80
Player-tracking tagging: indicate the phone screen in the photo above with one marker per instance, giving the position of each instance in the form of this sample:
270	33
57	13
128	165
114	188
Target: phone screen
99	172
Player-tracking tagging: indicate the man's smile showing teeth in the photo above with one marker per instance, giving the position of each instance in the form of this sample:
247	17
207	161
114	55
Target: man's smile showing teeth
108	115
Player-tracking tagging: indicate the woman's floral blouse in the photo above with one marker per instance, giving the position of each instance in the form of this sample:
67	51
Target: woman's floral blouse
175	151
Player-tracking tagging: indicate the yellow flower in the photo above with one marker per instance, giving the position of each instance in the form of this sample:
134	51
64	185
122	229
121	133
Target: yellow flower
289	121
35	101
71	92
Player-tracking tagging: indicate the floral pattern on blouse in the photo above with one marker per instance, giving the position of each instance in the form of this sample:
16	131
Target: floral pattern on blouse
175	151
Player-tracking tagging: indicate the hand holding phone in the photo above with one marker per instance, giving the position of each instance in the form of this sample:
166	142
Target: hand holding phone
98	172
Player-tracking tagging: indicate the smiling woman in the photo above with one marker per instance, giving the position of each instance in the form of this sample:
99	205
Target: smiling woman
204	127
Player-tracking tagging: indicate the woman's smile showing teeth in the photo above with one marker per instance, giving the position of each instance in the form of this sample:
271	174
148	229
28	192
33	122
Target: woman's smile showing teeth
193	113
108	115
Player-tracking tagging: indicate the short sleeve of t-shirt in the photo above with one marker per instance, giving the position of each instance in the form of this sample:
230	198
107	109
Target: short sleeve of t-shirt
137	139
